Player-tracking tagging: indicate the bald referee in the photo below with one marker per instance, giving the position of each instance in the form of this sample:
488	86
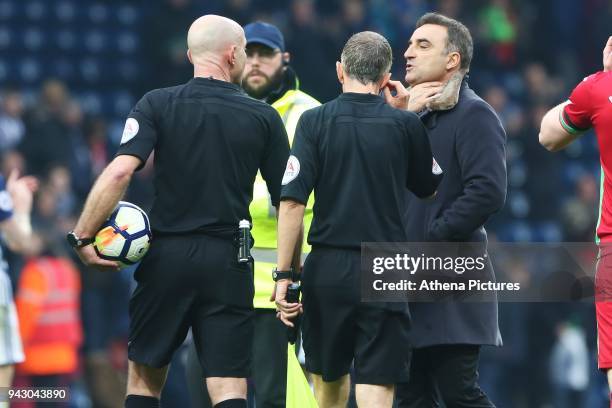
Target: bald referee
209	139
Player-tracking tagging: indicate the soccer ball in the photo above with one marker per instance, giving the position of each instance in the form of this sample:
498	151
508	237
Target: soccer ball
125	236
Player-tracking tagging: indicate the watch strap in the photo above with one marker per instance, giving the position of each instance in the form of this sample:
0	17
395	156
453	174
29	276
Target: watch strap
77	242
290	274
86	241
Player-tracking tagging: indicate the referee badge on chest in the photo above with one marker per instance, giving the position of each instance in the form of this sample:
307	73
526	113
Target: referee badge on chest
292	170
130	130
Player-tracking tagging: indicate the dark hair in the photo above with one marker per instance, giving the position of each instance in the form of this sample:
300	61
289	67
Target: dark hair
367	57
458	39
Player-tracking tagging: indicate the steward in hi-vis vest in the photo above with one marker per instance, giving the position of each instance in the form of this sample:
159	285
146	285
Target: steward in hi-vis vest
277	381
290	103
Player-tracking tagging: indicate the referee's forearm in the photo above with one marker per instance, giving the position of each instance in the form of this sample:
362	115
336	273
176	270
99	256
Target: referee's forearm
104	196
296	262
290	220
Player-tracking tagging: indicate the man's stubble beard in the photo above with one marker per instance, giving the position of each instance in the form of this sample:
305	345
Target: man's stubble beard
264	90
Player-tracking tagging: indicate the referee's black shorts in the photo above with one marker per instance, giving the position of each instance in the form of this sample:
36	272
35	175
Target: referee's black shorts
193	281
337	328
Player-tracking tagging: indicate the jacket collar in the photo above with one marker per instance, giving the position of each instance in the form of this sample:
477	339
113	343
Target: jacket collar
290	82
447	100
450	93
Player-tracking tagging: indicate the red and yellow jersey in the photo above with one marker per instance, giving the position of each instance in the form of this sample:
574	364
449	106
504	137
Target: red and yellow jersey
590	106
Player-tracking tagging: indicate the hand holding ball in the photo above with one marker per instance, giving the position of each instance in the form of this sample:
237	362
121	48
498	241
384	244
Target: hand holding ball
125	236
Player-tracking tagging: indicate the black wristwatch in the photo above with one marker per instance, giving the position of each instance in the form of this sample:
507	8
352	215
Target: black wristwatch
77	242
290	274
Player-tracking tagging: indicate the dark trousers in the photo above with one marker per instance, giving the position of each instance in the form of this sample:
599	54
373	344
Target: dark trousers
445	374
269	368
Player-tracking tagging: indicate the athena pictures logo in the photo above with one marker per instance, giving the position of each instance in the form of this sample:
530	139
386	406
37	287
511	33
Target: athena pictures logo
130	130
292	170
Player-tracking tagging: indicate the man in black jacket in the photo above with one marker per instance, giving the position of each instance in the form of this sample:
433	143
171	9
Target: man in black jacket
468	142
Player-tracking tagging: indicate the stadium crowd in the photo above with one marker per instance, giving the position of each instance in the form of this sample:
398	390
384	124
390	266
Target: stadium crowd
71	70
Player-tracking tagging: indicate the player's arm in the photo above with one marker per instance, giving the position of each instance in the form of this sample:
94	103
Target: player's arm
102	199
555	132
16	227
566	122
17	231
607	56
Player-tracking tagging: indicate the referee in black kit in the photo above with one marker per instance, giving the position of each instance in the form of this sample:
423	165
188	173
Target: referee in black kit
359	155
209	140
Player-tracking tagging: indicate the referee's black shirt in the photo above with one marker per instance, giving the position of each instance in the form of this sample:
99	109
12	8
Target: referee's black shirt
359	154
209	138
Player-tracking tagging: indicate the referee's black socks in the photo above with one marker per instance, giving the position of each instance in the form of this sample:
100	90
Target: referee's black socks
141	401
232	403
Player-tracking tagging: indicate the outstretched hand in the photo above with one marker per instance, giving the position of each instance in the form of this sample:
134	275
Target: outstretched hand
21	190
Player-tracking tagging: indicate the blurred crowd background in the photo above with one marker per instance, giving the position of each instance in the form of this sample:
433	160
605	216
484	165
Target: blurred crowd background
70	71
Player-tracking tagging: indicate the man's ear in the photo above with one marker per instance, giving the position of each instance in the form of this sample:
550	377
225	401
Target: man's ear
340	72
189	56
286	58
385	79
454	60
232	55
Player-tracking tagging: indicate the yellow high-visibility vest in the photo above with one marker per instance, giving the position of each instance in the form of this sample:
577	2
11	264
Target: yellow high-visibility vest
290	107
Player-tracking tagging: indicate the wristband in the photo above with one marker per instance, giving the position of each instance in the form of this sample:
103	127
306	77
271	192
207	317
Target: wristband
290	274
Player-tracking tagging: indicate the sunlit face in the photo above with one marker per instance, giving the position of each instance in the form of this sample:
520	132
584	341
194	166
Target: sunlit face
426	56
263	71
